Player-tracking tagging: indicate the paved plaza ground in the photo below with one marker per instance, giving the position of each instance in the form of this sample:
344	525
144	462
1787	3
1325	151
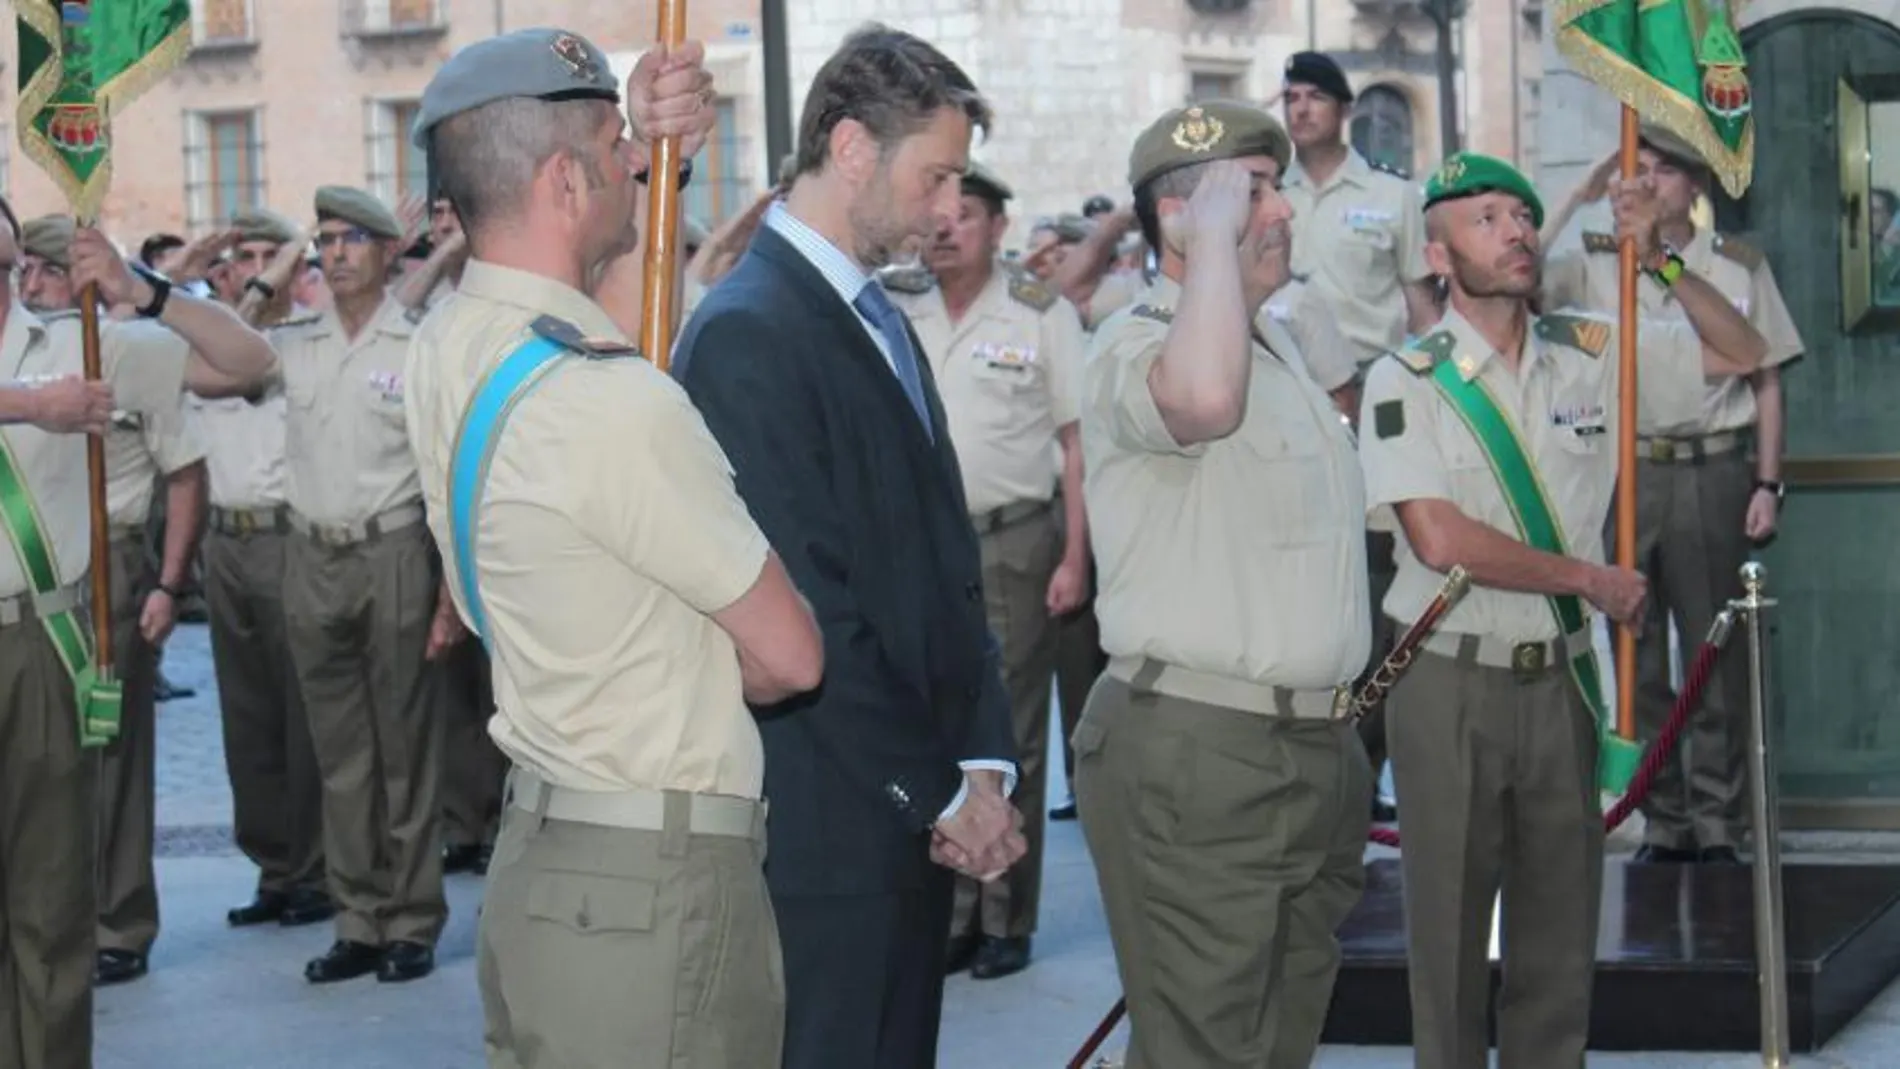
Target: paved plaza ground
223	999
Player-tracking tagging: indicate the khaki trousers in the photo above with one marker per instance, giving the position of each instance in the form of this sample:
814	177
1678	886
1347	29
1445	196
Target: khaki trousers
1690	543
1498	776
127	798
48	820
474	768
359	620
1229	848
634	949
276	791
1018	561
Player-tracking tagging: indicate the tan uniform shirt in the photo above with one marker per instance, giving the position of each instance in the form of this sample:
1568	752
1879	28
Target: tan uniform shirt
244	448
161	444
1358	239
609	531
346	445
1562	400
1330	358
1589	280
1116	291
1243	557
144	362
1007	373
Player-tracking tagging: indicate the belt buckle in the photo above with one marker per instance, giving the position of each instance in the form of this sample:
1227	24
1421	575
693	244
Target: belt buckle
1527	659
242	522
1342	702
1662	449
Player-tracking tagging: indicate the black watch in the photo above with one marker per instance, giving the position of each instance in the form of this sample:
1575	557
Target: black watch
176	593
686	174
161	290
269	291
1773	486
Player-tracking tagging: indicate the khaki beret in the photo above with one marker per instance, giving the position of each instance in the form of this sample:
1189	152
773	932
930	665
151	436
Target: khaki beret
357	206
1471	174
262	224
50	237
541	63
1669	144
1209	130
980	181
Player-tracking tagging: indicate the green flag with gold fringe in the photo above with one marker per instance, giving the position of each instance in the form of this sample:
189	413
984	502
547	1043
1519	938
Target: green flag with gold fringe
81	62
1678	63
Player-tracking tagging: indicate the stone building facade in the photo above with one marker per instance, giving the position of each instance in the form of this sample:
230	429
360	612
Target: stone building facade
279	97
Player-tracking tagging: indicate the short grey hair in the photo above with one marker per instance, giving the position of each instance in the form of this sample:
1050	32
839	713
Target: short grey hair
1180	182
485	159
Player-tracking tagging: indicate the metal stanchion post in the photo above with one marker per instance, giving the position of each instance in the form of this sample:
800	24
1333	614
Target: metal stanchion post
1771	956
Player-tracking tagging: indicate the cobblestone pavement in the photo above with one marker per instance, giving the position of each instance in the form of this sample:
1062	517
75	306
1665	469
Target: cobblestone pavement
222	999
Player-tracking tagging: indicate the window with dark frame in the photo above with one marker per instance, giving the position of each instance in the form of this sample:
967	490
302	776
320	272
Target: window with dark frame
1382	127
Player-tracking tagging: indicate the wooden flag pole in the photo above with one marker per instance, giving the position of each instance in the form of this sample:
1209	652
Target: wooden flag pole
663	211
1626	443
96	479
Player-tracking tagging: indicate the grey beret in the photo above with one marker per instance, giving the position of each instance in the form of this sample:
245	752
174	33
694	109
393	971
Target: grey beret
262	224
354	205
542	63
50	237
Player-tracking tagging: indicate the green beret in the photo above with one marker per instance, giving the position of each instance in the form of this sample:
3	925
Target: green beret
544	64
50	237
262	224
1468	174
1209	130
980	181
1669	145
357	206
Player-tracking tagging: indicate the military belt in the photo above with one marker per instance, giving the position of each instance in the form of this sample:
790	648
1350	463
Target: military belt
1693	450
245	522
343	535
1526	659
638	809
1008	516
20	608
1148	675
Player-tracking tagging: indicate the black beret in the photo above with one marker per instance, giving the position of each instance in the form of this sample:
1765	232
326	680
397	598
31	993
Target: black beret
1317	69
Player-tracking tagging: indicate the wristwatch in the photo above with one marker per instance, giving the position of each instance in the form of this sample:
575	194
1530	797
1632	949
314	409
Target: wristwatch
1773	486
686	174
269	291
176	593
161	290
1669	269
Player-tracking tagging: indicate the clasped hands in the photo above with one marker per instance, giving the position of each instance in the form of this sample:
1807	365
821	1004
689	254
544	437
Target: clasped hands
983	838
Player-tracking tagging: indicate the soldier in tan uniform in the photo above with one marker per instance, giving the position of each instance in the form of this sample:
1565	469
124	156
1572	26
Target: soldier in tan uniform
1006	351
363	602
142	451
48	777
1221	785
1708	484
631	604
1490	444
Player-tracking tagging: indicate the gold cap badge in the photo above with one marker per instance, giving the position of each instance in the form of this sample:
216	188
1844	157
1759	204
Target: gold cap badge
1198	131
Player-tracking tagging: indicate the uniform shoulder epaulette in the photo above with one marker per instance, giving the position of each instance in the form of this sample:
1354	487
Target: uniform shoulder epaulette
1597	241
1149	311
569	336
1026	288
1427	353
296	321
912	280
1738	250
1386	168
1584	333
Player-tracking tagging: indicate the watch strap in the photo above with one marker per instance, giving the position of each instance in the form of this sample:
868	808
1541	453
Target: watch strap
161	291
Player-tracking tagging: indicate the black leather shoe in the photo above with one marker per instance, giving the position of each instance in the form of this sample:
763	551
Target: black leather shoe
117	966
345	960
166	690
265	908
1065	811
962	952
1655	854
1000	957
1719	855
306	907
405	961
467	858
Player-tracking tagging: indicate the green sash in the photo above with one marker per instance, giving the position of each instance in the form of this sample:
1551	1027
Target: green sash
99	696
1538	528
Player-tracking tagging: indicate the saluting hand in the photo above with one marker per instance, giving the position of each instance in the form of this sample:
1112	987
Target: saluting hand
1216	212
670	93
73	405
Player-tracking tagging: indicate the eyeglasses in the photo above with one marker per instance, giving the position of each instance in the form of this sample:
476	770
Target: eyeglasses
355	235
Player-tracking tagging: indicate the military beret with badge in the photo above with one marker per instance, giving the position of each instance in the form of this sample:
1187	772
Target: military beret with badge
358	207
262	224
1203	132
1473	174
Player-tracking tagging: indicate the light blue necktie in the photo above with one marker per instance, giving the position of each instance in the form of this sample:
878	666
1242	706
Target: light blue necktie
875	306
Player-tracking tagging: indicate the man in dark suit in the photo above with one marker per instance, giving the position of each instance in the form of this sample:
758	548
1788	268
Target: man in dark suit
897	770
